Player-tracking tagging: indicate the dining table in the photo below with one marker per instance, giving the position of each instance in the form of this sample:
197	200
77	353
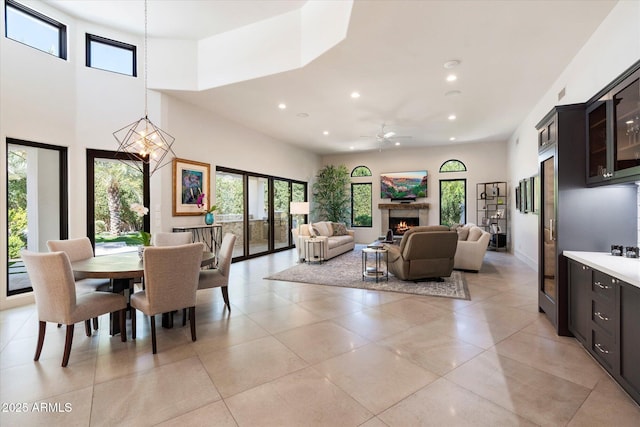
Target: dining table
123	269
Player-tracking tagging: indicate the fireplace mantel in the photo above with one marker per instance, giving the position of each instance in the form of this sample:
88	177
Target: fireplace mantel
403	206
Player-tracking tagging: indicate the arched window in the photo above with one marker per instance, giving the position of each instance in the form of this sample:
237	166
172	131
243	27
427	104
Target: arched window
453	165
361	197
361	171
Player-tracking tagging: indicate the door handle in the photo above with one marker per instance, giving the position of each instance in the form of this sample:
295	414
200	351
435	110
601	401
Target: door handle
551	236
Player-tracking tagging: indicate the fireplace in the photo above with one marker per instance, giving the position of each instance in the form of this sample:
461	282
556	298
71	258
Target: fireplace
411	214
400	225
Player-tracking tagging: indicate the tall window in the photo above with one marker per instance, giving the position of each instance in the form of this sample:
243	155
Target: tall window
361	197
110	55
114	184
453	195
37	204
34	29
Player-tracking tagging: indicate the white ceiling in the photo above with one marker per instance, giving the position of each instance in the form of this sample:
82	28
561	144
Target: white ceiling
510	51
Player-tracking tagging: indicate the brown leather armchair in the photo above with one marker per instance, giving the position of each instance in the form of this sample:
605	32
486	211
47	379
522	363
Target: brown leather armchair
424	252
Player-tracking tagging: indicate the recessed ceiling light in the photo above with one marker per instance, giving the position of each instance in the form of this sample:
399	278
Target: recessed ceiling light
282	106
355	95
451	64
452	117
302	115
452	78
326	132
453	138
453	93
397	143
351	148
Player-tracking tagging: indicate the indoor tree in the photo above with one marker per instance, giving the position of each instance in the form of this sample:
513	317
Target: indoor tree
331	194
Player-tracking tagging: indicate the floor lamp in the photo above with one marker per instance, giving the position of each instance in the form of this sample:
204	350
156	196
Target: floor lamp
299	208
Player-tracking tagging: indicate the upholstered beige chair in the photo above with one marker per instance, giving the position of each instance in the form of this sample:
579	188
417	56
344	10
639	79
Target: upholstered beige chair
171	280
52	280
424	252
172	239
76	250
219	277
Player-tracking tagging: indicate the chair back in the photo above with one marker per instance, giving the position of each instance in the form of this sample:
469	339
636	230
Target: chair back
171	276
172	239
429	244
226	253
52	280
76	249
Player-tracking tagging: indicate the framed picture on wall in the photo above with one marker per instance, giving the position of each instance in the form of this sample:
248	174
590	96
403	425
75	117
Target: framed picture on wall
523	196
190	180
518	198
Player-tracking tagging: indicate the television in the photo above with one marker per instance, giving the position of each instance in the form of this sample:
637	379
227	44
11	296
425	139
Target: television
403	186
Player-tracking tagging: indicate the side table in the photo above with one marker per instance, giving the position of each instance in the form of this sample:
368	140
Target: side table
380	267
314	250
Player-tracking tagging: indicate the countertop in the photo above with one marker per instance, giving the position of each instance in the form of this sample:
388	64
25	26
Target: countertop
625	269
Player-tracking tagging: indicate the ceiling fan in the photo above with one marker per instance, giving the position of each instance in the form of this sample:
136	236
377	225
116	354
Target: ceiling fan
386	135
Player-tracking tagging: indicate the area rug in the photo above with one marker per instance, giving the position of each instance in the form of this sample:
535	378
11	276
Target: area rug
346	271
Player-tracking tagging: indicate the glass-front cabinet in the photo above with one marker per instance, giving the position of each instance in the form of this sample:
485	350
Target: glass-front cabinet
613	131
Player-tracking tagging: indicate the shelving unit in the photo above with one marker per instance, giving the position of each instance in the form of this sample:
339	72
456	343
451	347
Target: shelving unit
492	212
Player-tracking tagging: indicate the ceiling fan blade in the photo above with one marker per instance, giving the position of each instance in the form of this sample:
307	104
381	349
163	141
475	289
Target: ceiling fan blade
388	134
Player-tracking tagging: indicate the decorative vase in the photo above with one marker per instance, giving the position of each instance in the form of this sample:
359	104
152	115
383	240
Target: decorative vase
208	218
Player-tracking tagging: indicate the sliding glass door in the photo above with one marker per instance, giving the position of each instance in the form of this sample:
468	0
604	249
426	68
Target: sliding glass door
255	208
36	204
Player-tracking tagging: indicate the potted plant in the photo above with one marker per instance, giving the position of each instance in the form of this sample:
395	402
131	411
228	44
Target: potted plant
207	212
331	194
143	237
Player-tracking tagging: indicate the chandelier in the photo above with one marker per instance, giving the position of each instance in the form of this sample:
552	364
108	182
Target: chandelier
142	140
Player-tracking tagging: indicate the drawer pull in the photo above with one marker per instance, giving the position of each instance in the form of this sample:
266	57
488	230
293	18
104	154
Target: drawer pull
601	350
600	316
601	286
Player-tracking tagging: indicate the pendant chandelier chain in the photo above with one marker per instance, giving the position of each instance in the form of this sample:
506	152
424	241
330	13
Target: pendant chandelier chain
146	48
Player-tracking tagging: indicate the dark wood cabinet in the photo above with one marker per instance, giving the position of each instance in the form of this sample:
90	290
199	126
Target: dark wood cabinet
629	374
580	301
613	131
604	315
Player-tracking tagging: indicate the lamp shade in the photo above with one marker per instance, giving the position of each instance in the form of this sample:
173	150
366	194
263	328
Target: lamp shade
299	208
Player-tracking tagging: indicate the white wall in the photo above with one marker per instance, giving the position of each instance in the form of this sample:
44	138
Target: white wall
613	48
49	100
485	162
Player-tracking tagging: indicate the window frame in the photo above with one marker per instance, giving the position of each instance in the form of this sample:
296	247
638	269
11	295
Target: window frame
453	160
89	38
370	185
62	28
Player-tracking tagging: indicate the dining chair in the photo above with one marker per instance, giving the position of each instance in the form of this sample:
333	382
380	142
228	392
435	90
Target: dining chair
79	249
172	239
171	281
219	277
54	287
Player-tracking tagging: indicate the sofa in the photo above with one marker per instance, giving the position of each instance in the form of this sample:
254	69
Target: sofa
472	245
424	252
335	237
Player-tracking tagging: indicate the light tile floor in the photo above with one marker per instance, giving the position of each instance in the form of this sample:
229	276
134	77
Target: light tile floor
293	354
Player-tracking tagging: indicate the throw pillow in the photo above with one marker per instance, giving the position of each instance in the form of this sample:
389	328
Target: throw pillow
474	234
323	228
463	233
339	229
313	231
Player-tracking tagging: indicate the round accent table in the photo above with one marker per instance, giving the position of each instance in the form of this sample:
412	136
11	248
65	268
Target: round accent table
375	264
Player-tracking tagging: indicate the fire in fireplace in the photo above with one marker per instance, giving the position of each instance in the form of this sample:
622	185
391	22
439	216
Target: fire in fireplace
401	225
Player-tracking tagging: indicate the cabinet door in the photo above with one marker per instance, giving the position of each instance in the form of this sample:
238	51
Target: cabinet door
547	287
630	339
626	141
598	167
580	301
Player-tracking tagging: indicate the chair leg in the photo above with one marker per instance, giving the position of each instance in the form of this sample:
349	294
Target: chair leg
41	331
95	323
87	327
133	323
123	324
192	322
153	334
225	296
184	316
67	345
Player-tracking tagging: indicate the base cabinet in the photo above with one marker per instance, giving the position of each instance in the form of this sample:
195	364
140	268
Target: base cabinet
604	315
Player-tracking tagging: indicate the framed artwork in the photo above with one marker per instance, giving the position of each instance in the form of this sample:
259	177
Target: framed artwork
518	198
190	180
528	185
535	196
523	196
